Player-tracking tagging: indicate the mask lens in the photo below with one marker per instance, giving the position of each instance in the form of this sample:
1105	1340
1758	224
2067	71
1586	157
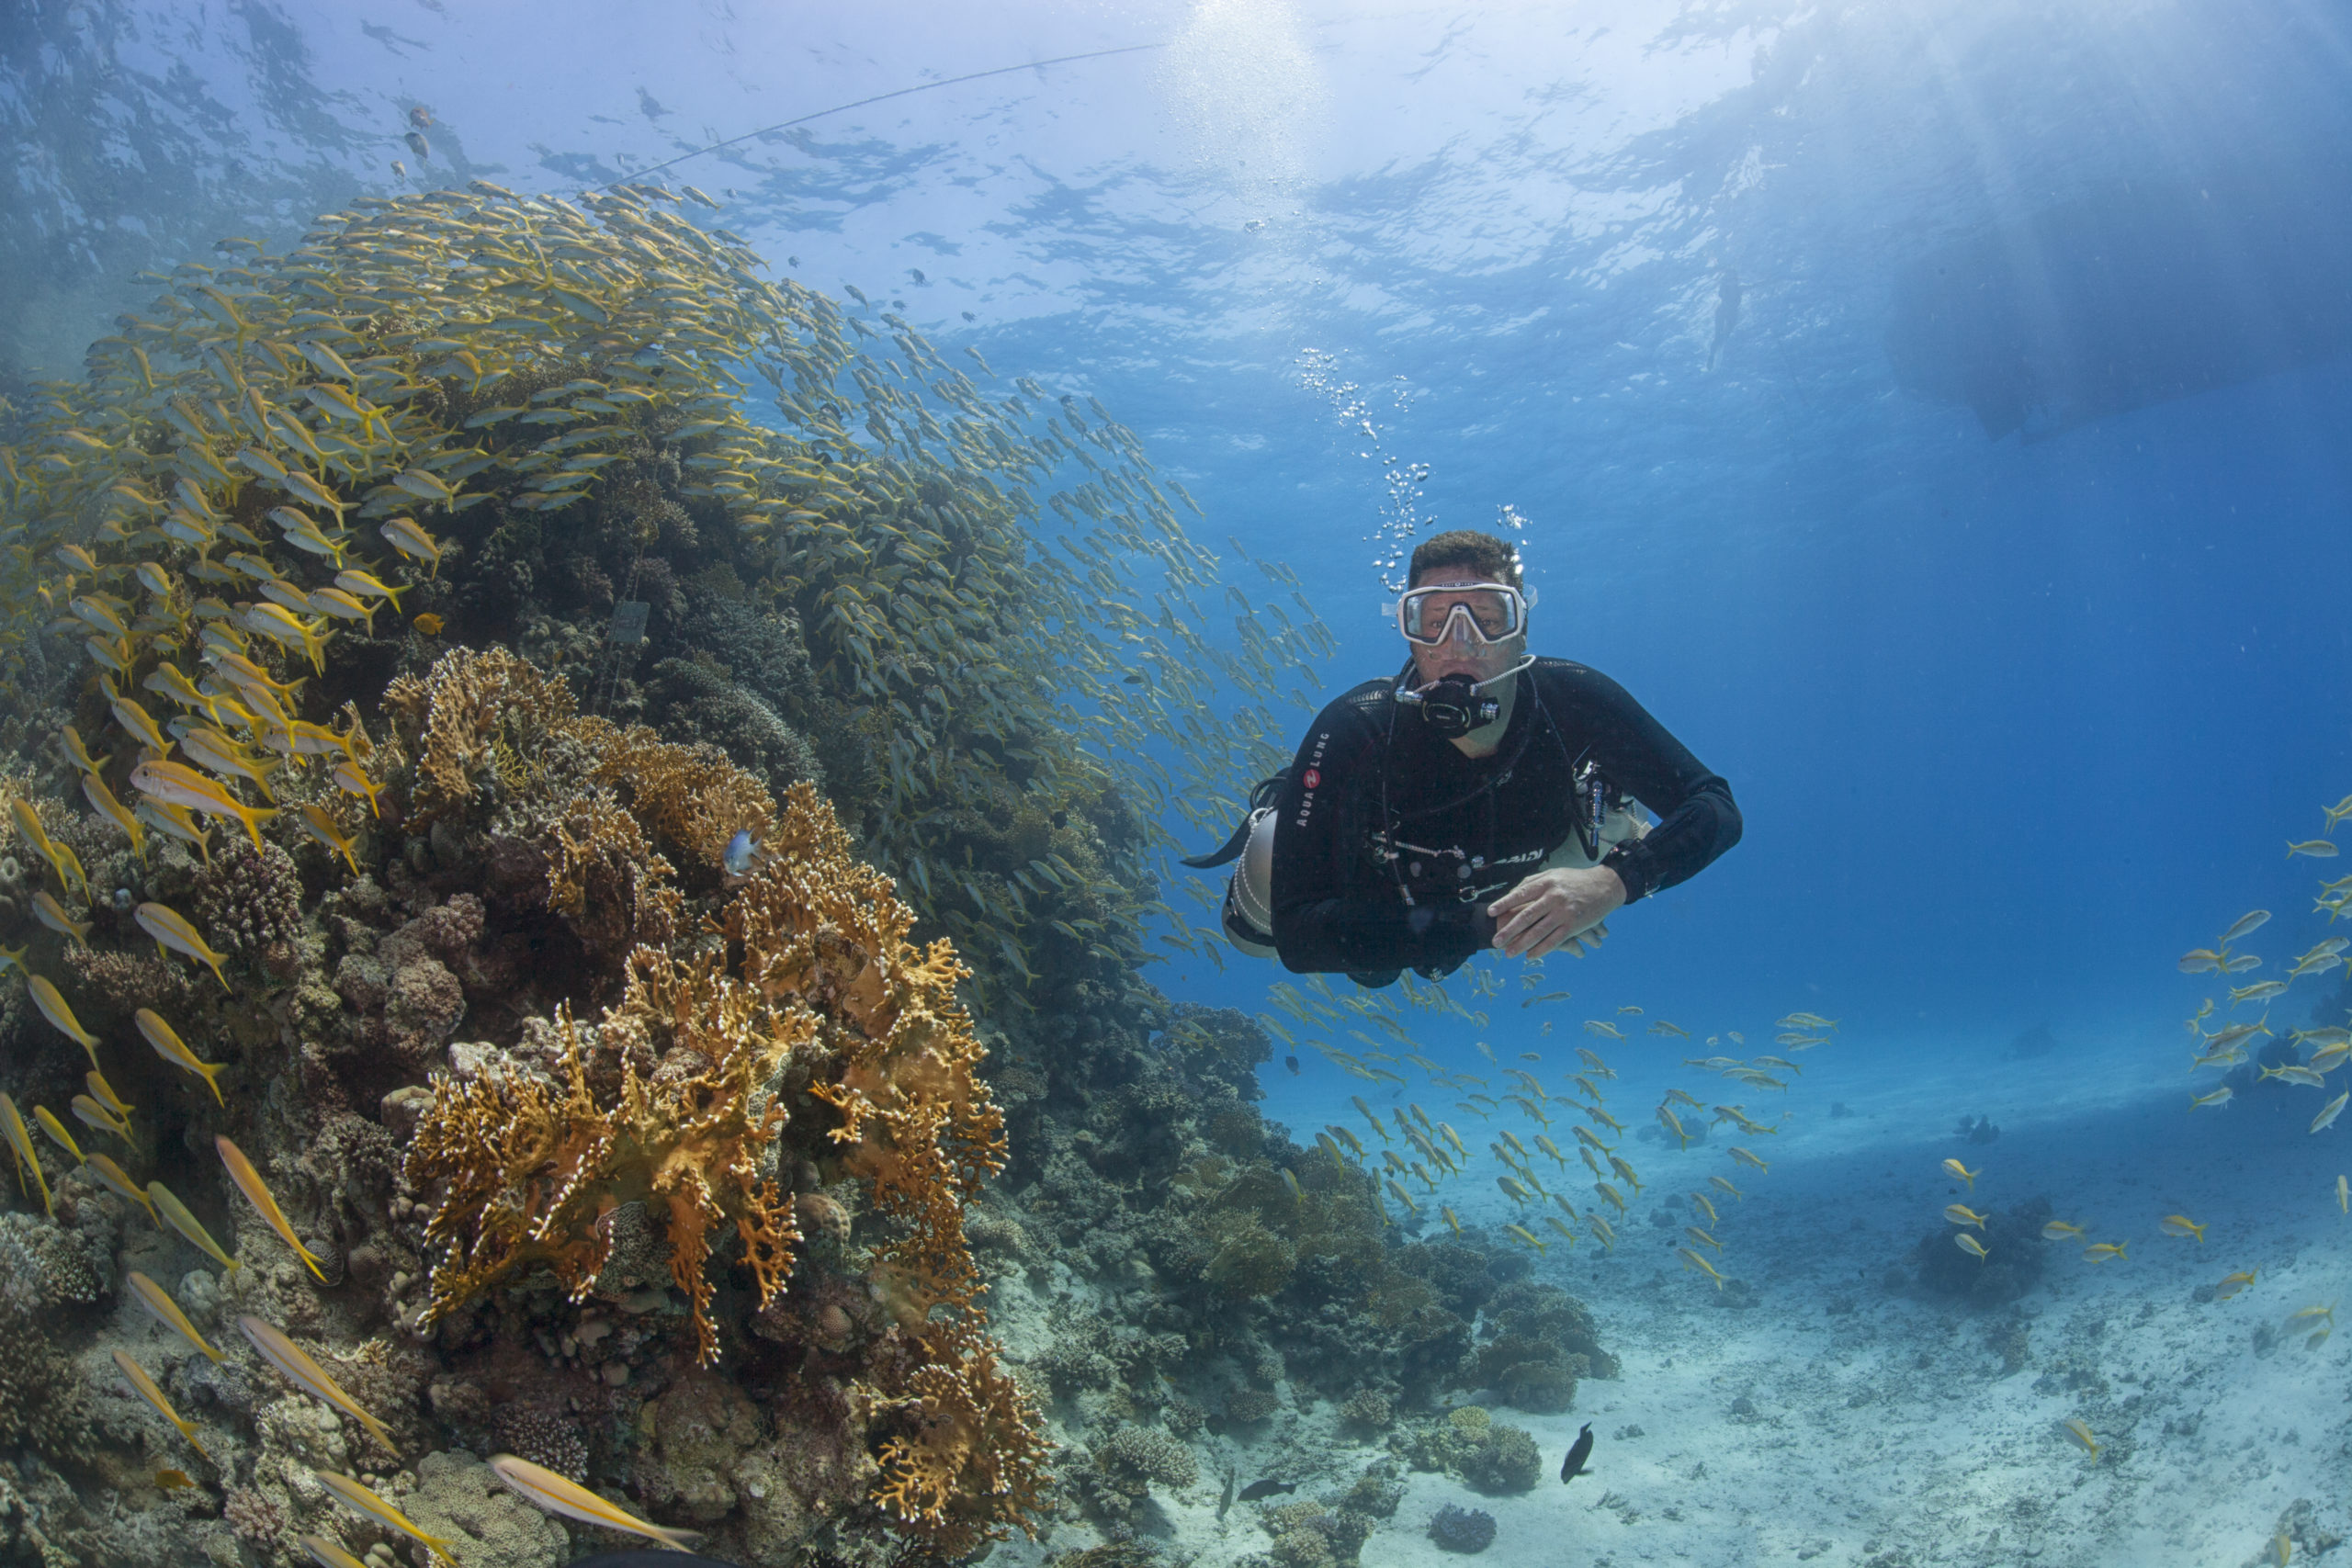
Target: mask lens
1491	612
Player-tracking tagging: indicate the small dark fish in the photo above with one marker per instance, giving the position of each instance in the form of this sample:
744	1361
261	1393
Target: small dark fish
969	317
1291	1062
418	144
419	116
916	273
1131	680
1573	1466
1267	1488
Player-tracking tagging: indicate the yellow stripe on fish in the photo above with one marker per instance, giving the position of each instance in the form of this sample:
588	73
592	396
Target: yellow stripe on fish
297	1367
154	1396
368	1506
158	1300
169	1047
12	1126
172	931
249	1183
175	1214
543	1489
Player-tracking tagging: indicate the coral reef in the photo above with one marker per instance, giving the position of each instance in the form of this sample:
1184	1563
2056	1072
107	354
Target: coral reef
585	984
1486	1454
2014	1257
1462	1530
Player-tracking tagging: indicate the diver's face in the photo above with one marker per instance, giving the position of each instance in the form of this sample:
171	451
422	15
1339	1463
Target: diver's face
1460	653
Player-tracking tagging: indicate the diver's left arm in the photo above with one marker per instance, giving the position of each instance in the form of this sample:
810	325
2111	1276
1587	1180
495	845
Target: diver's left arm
1698	820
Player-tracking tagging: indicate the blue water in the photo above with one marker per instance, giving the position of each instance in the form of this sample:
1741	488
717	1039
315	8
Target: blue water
2014	721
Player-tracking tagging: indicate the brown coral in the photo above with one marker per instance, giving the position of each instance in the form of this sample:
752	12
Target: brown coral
690	795
605	876
531	1169
478	716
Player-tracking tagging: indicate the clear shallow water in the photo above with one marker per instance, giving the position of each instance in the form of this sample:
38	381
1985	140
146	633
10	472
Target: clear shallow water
2013	722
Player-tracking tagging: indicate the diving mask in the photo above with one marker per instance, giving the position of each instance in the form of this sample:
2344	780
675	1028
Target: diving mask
1465	613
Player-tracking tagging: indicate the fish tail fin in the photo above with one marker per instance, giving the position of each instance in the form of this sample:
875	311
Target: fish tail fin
675	1539
210	1073
310	1259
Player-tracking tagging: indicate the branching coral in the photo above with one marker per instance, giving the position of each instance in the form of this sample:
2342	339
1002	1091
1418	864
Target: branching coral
528	1169
976	1462
690	795
478	714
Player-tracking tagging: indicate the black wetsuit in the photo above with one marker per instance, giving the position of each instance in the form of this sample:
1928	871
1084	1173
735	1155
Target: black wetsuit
1466	829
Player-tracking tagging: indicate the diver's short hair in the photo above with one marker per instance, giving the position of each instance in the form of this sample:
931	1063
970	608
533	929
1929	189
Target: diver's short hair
1494	559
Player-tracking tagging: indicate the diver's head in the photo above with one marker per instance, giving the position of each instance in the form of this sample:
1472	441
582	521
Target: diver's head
1464	609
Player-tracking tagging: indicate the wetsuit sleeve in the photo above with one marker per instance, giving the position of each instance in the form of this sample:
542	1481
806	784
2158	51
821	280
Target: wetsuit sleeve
1697	819
1333	912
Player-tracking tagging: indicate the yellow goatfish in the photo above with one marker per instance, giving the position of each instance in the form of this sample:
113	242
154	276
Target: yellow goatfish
322	825
403	535
29	824
171	931
2329	1112
366	1504
358	582
169	1047
2080	1431
79	754
2181	1225
158	1300
351	779
58	1134
1970	1245
99	1119
51	913
94	791
116	1179
327	1554
296	1364
545	1489
2343	1196
2233	1283
177	783
1959	1172
12	1126
2059	1230
175	1213
53	1007
249	1183
155	1397
2105	1251
1691	1259
129	714
1745	1157
103	1092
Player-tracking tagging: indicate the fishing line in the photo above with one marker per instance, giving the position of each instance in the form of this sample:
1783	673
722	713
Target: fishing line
878	98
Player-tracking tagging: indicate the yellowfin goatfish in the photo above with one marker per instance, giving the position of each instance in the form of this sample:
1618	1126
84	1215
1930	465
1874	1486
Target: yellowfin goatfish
2329	1112
1970	1245
171	931
99	1119
58	1134
2233	1283
29	824
175	1214
116	1179
358	583
175	783
2080	1431
51	913
404	535
546	1490
249	1183
324	1553
2103	1251
2181	1225
158	1300
324	829
295	1362
360	1500
79	754
351	779
155	1397
94	791
169	1047
53	1007
1959	1172
12	1126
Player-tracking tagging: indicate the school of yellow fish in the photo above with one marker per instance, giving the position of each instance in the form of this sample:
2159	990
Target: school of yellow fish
1546	1216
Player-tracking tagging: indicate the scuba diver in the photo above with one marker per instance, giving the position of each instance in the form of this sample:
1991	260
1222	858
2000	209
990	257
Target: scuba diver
1479	799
